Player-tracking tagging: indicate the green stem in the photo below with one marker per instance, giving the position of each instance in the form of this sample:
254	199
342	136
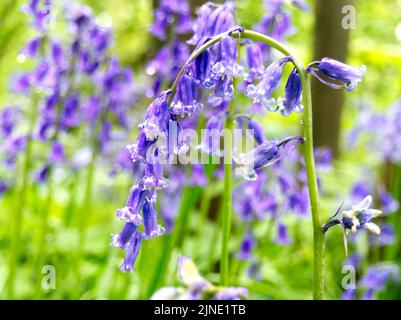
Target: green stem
227	200
318	235
41	240
17	214
85	211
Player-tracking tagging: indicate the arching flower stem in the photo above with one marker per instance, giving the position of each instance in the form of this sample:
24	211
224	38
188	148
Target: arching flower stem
318	235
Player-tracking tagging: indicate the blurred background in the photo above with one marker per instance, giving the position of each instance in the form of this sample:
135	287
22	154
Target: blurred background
65	221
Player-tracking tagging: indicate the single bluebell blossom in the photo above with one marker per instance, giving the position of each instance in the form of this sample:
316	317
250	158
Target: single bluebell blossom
258	131
246	248
293	95
282	235
151	227
32	47
211	135
121	239
184	102
132	251
57	154
262	92
337	71
359	217
157	118
8	120
43	174
255	62
3	187
264	155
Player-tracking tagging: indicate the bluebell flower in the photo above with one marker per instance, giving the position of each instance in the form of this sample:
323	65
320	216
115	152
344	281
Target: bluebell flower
282	235
262	92
3	187
151	227
156	118
168	13
210	143
359	217
335	70
121	239
293	95
264	155
132	251
376	279
32	47
247	245
184	102
255	61
8	120
212	20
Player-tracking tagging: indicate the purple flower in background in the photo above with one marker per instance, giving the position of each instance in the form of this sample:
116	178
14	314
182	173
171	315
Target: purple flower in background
282	235
337	71
212	20
8	120
376	279
247	245
3	187
349	294
387	235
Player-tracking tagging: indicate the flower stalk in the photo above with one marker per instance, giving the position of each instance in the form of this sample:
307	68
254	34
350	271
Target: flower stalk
318	235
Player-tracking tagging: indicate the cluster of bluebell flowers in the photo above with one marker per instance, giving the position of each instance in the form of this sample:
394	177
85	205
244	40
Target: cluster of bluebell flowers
54	107
206	83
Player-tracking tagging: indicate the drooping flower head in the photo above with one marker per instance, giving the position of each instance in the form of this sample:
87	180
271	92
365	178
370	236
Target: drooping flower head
264	155
346	76
359	217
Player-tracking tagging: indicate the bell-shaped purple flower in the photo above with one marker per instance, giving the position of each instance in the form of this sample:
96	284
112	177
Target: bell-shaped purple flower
121	239
262	92
282	235
247	245
255	63
57	153
212	20
293	95
335	70
184	102
264	155
152	228
132	251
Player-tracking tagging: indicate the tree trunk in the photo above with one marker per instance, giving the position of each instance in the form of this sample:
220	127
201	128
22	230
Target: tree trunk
330	40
